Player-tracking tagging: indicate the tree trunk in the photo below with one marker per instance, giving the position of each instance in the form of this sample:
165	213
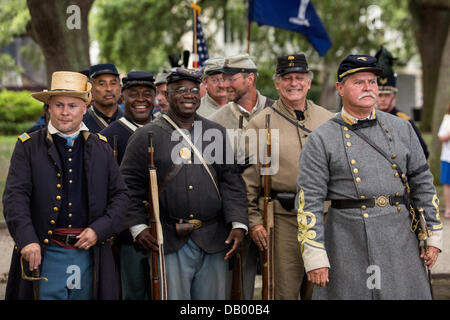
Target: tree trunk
441	105
64	46
328	96
431	28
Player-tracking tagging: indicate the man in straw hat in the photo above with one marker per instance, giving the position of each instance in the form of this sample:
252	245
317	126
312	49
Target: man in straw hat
64	198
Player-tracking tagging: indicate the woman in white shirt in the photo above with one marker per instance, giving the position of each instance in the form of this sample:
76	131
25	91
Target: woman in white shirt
444	137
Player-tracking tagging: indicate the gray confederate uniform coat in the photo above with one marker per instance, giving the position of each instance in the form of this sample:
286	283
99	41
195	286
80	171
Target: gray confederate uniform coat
207	106
357	243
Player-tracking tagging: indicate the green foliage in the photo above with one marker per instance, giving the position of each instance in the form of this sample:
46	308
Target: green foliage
18	107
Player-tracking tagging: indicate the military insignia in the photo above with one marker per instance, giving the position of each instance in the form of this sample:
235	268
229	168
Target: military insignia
362	58
103	138
24	137
291	62
185	153
383	80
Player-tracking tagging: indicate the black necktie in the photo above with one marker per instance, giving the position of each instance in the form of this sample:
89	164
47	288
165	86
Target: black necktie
364	124
299	114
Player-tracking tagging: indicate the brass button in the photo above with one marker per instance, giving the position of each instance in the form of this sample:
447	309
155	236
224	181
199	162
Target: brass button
362	197
69	215
387	130
365	215
394	166
355	170
345	129
396	174
347	136
58	175
363	207
191	215
49	232
382	123
58	198
58	186
397	203
349	144
55	209
70	170
70	181
46	241
394	156
70	204
69	226
353	161
390	138
191	187
70	150
403	175
70	159
397	194
399	209
190	161
52	222
358	179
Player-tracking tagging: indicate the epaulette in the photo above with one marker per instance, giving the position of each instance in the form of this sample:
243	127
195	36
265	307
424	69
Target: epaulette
24	137
403	115
103	138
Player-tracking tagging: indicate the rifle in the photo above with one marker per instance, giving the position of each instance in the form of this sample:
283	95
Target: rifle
236	283
115	151
423	235
267	256
159	284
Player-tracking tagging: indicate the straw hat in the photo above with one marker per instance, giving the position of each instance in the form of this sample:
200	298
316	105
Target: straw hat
66	83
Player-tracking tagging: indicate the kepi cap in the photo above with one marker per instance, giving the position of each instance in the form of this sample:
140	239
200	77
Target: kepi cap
213	66
292	63
241	63
103	68
138	78
178	74
161	77
355	63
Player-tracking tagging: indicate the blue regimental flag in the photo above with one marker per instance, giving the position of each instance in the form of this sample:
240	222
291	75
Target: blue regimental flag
295	15
199	46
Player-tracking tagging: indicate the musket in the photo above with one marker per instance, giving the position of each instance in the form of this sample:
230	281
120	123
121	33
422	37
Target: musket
115	151
236	284
423	235
158	265
267	256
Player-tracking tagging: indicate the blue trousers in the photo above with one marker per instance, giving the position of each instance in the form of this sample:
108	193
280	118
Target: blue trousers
69	274
134	274
193	274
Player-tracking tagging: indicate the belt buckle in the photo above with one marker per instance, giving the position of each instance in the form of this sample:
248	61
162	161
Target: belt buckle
382	201
197	223
68	236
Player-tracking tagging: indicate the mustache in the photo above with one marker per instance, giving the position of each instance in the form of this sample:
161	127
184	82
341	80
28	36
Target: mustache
367	94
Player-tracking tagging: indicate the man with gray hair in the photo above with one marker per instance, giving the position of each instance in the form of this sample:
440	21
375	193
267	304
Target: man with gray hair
216	88
294	117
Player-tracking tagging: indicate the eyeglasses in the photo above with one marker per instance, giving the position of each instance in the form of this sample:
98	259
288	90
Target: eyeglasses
216	81
183	90
232	79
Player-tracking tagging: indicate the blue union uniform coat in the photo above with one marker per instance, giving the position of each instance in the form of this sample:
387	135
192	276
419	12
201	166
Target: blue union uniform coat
31	196
190	193
371	252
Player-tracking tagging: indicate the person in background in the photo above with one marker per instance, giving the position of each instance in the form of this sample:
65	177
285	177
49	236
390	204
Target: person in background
444	138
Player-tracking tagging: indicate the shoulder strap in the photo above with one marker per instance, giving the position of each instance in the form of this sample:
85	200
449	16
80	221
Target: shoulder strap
291	121
101	123
198	154
131	127
269	102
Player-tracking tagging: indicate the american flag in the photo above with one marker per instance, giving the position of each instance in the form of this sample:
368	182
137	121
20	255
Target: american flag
199	47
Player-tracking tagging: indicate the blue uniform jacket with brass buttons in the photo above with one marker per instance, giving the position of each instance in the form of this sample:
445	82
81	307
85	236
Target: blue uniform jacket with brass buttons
32	202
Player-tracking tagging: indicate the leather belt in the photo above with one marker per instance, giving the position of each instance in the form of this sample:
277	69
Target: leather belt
68	239
381	201
197	223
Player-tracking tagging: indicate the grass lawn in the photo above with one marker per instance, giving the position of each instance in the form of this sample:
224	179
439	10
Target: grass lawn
7	144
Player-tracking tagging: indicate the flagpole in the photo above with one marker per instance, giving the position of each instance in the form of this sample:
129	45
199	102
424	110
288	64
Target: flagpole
248	35
196	9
